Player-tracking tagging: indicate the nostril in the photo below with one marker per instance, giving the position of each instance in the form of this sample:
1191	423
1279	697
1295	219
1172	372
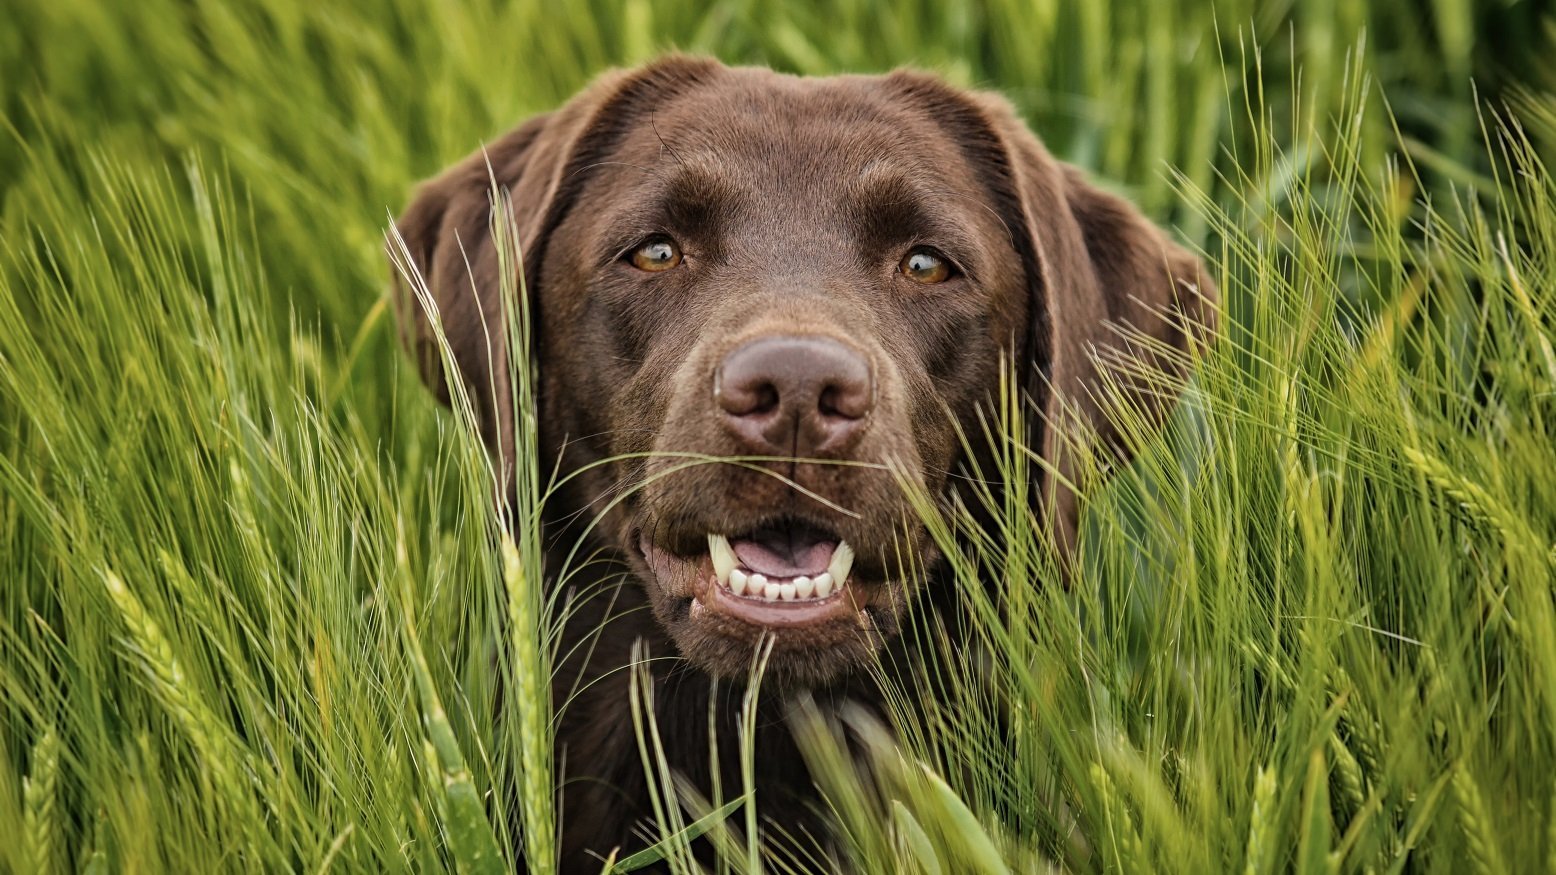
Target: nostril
845	401
827	403
744	396
764	399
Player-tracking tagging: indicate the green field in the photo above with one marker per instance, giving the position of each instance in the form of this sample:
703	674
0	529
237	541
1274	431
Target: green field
251	613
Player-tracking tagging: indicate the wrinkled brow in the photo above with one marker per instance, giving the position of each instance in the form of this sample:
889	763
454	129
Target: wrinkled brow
683	200
892	209
692	198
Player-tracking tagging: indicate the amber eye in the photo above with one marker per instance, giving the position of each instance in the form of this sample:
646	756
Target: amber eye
925	265
656	254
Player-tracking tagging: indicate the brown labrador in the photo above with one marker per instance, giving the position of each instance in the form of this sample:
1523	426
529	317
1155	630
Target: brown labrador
826	275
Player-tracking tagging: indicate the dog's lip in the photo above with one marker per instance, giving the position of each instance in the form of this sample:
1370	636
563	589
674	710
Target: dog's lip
693	578
840	606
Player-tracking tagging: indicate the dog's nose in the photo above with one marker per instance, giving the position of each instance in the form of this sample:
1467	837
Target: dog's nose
795	395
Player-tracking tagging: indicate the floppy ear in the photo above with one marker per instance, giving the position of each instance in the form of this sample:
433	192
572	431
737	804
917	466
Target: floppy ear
1159	311
1119	312
447	234
1117	309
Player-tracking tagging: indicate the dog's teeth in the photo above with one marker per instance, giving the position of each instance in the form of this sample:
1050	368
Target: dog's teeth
755	585
842	563
723	556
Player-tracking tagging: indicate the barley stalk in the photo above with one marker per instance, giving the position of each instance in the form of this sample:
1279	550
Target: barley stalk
176	694
1352	783
154	648
1128	850
1474	500
528	650
1362	727
469	834
1261	829
41	798
1484	851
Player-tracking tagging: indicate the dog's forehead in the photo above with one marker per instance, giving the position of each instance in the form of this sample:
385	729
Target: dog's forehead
786	132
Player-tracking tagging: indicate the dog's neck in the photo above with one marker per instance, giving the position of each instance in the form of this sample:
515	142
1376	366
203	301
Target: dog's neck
700	722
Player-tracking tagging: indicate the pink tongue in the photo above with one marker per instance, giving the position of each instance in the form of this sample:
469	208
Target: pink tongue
784	557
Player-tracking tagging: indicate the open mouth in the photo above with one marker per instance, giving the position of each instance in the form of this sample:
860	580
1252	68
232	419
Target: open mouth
781	563
781	575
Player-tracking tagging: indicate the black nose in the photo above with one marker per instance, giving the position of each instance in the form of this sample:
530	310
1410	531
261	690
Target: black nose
801	394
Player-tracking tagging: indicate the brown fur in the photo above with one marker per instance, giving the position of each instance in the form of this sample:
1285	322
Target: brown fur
793	199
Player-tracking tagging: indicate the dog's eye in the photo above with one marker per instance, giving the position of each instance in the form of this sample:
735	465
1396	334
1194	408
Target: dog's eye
656	254
925	265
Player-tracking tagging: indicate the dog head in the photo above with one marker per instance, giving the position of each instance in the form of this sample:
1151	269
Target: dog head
759	300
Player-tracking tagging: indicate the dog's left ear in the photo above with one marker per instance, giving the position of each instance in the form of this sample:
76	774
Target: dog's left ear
1118	310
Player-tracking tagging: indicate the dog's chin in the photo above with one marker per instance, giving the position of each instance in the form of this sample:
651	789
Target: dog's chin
795	594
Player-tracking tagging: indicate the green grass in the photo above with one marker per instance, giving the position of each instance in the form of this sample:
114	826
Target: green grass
250	593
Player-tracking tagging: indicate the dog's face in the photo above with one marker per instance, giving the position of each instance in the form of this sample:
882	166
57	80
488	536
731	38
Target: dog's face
762	303
780	269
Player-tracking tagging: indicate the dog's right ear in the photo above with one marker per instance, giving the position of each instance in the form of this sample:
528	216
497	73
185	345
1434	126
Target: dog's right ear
447	232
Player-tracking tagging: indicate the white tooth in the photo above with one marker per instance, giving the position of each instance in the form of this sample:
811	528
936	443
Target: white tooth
772	592
823	583
722	555
757	582
737	581
786	592
842	562
804	586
